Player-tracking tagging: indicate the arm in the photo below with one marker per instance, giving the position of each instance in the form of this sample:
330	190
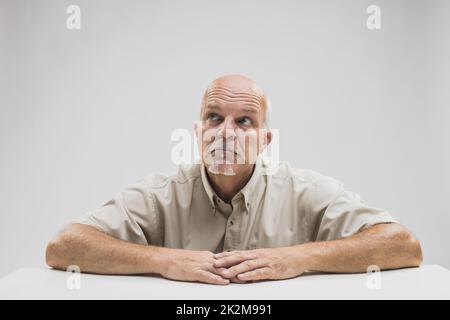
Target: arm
96	252
389	246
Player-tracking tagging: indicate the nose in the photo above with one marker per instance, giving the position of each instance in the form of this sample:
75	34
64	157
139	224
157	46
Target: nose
227	128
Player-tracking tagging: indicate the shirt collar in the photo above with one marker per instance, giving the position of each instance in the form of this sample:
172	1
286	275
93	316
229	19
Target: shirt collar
246	191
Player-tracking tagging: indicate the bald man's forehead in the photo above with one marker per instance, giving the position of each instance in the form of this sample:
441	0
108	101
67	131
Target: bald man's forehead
227	95
236	90
237	83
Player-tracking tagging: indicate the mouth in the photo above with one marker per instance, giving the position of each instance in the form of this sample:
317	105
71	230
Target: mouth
225	151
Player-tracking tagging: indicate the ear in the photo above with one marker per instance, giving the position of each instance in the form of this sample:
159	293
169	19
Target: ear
197	127
265	139
268	137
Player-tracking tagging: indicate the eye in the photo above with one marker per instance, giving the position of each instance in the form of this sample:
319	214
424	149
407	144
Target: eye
213	117
245	121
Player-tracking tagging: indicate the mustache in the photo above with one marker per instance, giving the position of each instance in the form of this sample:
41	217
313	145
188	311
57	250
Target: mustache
223	149
220	145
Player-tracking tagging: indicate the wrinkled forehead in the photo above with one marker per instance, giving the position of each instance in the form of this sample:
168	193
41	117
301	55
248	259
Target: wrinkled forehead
236	92
236	84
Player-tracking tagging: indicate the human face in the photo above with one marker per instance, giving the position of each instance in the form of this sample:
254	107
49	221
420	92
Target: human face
230	132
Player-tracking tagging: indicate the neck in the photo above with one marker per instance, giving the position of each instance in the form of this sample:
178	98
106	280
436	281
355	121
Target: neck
227	187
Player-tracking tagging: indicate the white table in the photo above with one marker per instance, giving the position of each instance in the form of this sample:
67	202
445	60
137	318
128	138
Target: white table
426	282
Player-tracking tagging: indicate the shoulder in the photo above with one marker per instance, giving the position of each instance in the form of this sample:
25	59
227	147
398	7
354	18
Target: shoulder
307	183
284	170
184	177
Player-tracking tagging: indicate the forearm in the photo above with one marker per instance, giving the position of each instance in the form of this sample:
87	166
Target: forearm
388	246
96	252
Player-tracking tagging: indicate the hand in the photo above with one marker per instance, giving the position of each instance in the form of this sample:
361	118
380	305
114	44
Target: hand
260	264
189	265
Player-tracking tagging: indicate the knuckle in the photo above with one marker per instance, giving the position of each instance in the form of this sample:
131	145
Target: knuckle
204	277
232	271
208	254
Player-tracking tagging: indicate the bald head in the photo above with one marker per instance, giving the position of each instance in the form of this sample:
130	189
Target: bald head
236	90
233	129
237	83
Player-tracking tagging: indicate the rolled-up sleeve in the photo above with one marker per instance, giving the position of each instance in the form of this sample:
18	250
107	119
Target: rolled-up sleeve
126	216
338	213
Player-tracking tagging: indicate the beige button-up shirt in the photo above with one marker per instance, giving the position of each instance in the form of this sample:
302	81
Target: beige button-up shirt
279	206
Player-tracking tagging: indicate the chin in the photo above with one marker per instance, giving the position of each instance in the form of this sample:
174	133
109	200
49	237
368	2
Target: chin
223	169
223	166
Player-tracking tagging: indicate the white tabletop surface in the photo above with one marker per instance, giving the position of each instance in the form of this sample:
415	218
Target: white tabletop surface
426	282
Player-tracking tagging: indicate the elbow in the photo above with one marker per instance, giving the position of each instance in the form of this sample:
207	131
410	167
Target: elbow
58	251
53	253
410	247
68	247
416	251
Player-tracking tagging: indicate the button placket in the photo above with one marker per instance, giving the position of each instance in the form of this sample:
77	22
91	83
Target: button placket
227	241
247	207
235	224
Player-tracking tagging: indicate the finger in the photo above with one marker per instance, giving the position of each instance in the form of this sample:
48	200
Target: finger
231	253
244	266
225	254
217	271
237	280
257	274
234	259
211	278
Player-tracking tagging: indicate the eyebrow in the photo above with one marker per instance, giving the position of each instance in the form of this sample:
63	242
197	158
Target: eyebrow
245	109
212	107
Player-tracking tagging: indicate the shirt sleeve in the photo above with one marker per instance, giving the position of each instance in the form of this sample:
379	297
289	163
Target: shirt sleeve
339	213
127	215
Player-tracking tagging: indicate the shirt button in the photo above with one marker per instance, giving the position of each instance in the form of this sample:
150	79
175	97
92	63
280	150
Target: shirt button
231	222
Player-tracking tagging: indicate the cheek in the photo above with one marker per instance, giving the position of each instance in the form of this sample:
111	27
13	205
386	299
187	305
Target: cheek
207	136
249	141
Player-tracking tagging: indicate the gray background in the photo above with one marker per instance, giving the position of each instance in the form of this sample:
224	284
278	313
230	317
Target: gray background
85	113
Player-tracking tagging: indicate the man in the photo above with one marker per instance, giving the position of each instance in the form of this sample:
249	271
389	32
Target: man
234	217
